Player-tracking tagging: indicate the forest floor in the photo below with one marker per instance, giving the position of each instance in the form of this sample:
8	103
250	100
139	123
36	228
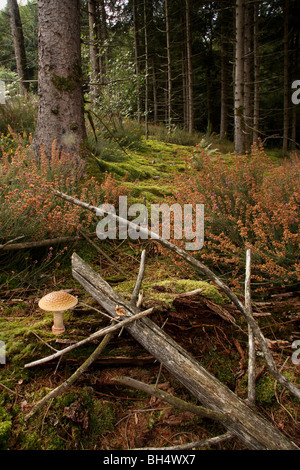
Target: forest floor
95	413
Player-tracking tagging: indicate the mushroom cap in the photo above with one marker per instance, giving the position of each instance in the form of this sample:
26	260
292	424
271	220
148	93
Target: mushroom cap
57	301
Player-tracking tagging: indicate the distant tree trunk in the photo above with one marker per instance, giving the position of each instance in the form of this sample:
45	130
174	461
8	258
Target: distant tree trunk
137	59
184	78
224	72
18	38
295	76
103	39
60	110
146	72
256	98
239	78
169	72
286	104
248	75
190	86
155	100
94	52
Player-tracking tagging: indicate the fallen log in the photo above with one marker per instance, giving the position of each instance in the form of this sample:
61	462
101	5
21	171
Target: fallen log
255	431
9	246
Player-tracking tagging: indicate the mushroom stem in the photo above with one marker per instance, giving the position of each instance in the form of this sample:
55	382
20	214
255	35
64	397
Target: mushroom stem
58	326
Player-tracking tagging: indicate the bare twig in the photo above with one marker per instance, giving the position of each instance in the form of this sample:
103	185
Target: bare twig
174	401
208	273
10	242
251	340
191	293
90	338
195	444
9	390
49	346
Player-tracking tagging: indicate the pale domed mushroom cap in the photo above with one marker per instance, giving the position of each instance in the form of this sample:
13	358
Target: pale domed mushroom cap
57	301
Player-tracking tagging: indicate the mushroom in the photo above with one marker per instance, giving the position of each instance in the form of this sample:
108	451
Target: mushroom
58	302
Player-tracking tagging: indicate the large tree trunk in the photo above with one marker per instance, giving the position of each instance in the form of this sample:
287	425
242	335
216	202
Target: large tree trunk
239	79
18	38
60	111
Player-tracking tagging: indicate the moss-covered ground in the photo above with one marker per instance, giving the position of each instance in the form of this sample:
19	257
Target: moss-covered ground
95	413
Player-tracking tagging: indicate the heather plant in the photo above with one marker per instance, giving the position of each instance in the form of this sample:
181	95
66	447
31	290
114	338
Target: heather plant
18	113
28	206
249	202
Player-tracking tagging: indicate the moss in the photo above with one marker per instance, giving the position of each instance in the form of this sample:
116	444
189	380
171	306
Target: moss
17	336
65	84
5	428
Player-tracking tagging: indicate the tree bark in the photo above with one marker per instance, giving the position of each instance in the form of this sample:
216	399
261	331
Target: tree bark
169	70
94	52
251	428
286	104
18	38
239	78
256	98
60	110
146	71
248	78
190	87
103	40
224	71
137	58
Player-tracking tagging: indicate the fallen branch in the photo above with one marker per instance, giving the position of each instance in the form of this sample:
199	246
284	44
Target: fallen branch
251	339
135	293
118	361
195	444
250	427
174	401
97	334
191	293
282	380
61	388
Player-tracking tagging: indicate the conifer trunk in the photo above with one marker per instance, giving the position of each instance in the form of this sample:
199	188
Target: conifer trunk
60	110
18	38
239	78
190	89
